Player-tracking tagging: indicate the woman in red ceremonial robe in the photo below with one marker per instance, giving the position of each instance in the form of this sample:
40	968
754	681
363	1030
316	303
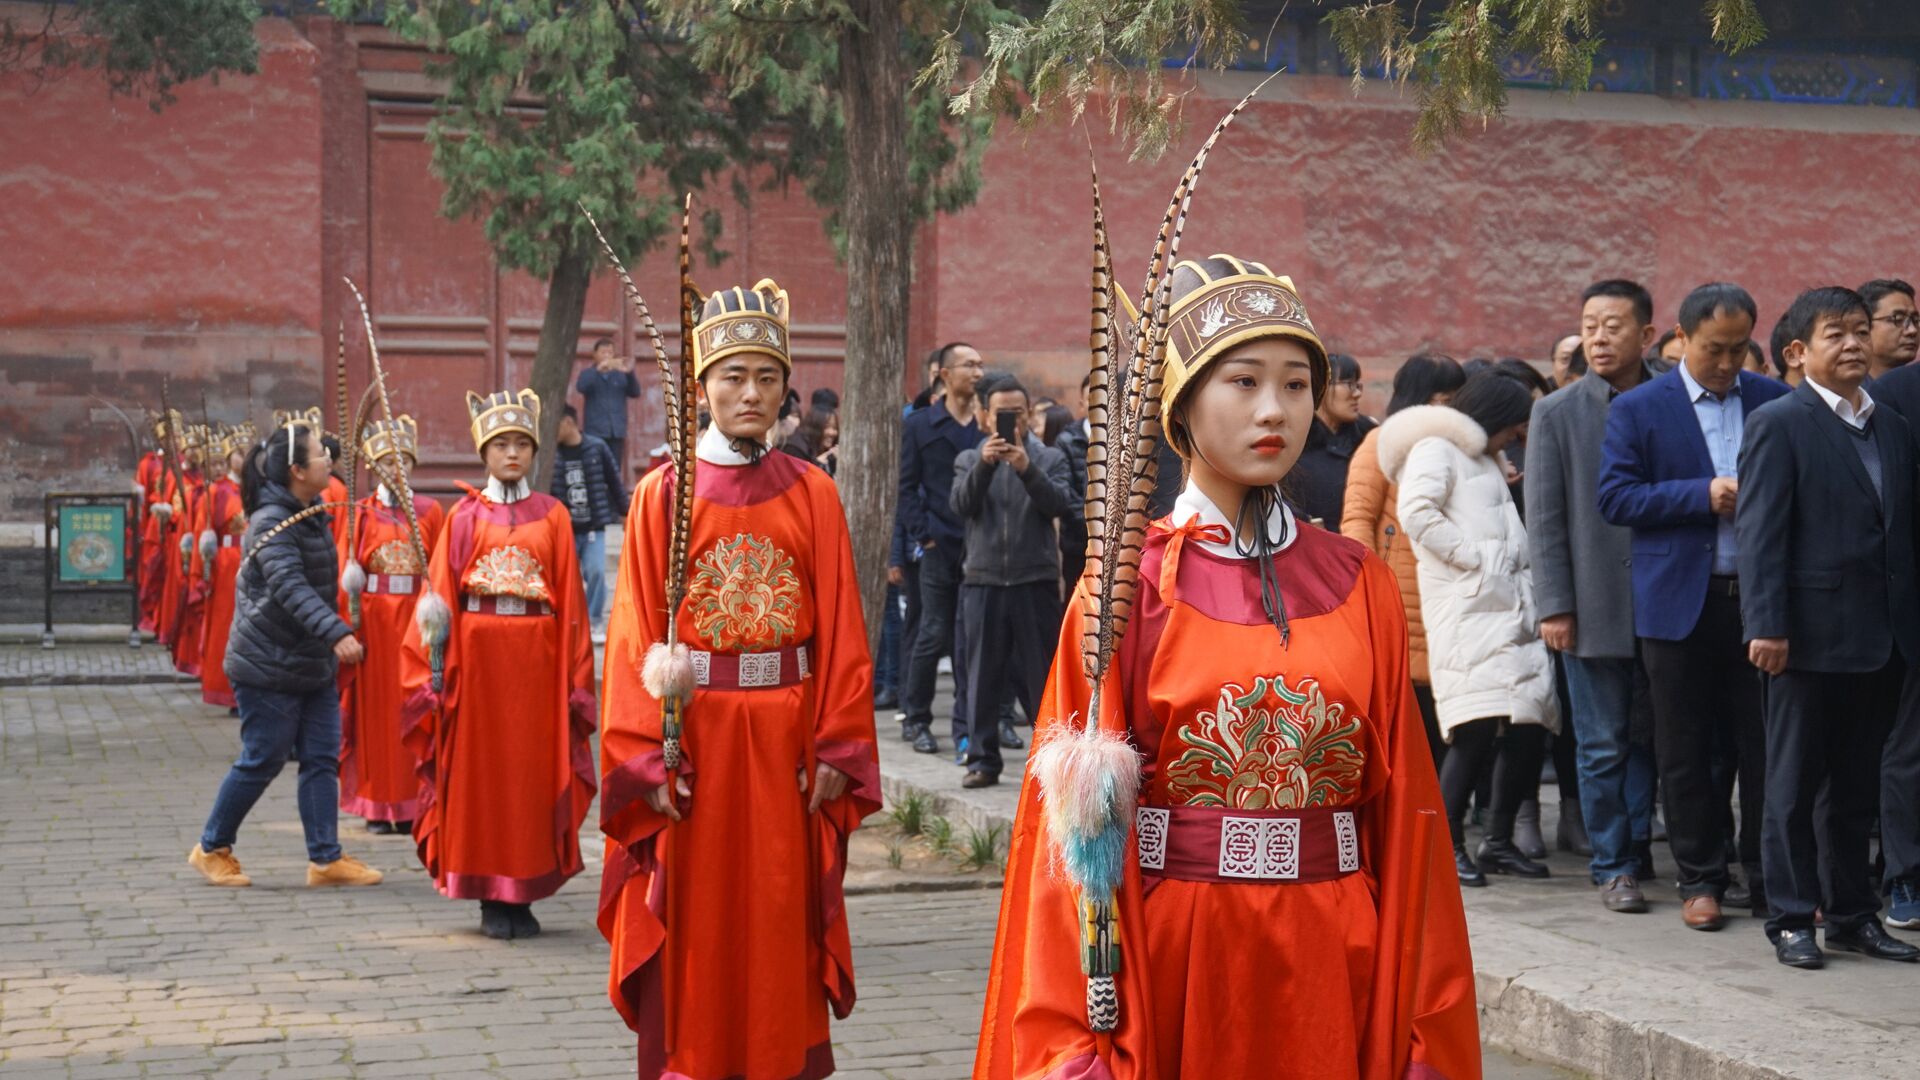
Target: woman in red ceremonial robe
186	602
722	899
1284	907
379	778
503	741
227	517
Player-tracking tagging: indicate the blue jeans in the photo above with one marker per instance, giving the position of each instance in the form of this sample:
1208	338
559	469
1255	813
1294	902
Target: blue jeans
591	547
1616	777
273	726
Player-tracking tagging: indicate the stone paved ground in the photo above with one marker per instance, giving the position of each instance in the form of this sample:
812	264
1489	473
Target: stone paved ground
86	662
116	961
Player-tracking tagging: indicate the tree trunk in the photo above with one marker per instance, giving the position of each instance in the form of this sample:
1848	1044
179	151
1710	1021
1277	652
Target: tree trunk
879	223
559	345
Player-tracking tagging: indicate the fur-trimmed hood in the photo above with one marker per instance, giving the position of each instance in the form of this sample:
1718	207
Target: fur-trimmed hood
1405	429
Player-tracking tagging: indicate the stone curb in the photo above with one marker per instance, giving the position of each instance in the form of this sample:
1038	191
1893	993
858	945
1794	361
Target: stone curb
1571	1004
80	678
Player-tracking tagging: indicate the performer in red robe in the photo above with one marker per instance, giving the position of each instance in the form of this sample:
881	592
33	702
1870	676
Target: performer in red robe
1229	858
184	604
721	893
503	733
379	779
160	495
227	518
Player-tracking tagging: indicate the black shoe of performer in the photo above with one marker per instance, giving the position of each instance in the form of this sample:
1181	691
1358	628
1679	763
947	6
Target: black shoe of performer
380	828
524	924
404	828
496	920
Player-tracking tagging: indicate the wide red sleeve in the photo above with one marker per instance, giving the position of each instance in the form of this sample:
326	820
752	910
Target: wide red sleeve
843	726
1422	1023
630	736
1034	1025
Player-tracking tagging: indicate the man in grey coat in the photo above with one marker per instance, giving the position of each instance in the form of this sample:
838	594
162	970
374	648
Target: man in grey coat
1007	494
1583	583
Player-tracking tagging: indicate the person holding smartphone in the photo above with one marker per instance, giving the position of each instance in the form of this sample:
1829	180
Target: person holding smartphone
1007	493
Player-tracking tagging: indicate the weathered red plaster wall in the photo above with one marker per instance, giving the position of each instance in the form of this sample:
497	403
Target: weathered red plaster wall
1481	249
135	246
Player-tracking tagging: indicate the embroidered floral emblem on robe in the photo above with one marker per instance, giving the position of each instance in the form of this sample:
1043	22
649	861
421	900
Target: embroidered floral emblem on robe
1268	748
508	571
397	557
744	596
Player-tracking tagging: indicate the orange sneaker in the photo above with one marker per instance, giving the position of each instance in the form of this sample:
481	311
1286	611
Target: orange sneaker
345	870
218	866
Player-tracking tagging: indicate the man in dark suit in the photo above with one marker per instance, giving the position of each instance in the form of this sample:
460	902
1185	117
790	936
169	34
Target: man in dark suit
1668	472
1825	525
930	440
1899	391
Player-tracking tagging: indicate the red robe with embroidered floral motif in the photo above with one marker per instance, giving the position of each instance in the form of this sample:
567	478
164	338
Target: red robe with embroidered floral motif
379	778
735	913
228	519
504	747
1248	978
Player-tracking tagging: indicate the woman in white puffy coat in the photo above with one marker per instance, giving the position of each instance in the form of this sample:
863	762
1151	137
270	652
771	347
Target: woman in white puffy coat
1492	677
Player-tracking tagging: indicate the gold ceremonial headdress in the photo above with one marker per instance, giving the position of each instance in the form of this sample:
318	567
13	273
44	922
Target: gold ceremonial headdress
194	436
161	420
311	418
503	411
741	320
381	439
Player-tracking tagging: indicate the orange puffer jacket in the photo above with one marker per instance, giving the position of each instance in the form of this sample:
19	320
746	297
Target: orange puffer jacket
1368	516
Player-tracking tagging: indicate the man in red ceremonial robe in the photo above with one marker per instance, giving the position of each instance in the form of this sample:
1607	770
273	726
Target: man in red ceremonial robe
721	892
227	518
501	714
379	780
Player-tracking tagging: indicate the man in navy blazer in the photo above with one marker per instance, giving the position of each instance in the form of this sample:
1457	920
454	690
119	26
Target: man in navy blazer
1830	598
1668	471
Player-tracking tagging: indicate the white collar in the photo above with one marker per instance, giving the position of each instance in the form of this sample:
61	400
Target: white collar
1695	391
234	476
715	448
501	493
1194	503
1842	408
385	496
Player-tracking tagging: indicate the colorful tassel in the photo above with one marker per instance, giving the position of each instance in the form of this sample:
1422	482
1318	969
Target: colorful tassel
435	621
1089	784
209	547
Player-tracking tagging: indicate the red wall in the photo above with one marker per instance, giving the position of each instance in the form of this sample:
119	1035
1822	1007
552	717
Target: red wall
1479	250
207	241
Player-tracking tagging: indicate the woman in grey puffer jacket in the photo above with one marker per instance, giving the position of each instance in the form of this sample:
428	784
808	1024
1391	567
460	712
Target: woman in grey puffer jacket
282	655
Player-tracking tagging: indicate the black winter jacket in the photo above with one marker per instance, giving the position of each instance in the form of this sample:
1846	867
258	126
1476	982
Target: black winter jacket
586	480
284	617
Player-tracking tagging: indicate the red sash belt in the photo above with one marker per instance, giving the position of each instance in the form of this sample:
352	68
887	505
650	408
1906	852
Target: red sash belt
751	671
506	605
393	584
1204	843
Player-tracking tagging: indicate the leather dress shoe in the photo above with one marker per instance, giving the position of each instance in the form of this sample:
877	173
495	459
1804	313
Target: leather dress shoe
1009	738
1702	913
977	779
1622	893
1871	939
1737	894
1796	948
1502	857
1463	866
923	741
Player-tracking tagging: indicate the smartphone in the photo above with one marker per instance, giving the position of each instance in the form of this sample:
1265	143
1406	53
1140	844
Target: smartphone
1004	421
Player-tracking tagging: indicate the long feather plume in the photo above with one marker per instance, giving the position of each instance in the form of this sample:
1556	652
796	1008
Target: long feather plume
431	614
353	576
687	419
1089	776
